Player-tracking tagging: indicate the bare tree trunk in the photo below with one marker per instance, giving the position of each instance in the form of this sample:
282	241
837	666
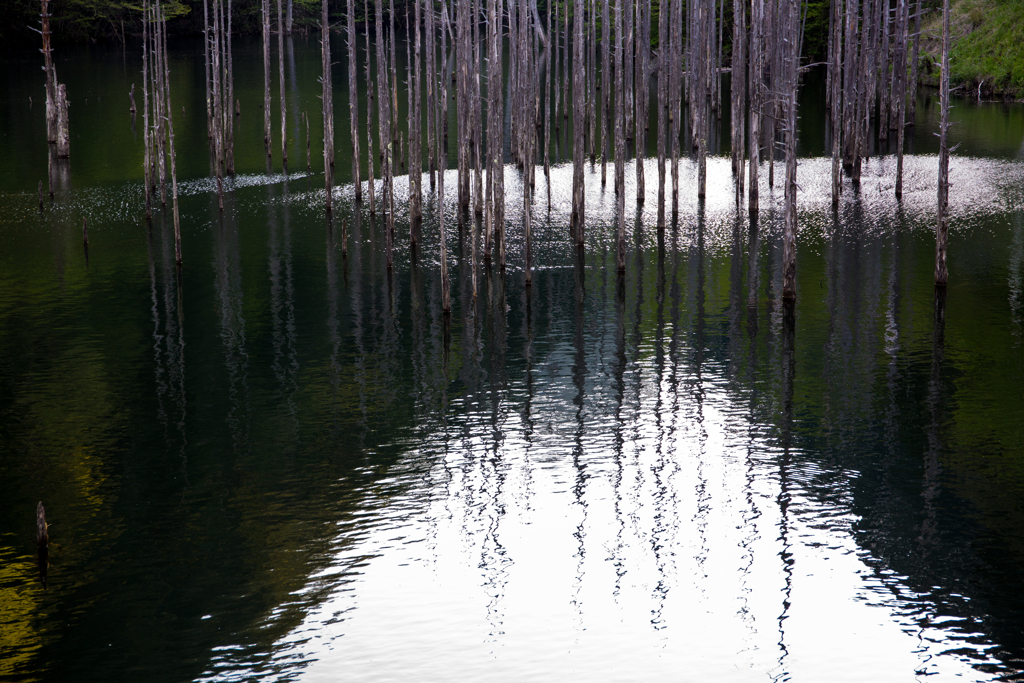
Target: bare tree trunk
325	80
787	32
280	72
385	137
229	119
170	132
885	79
642	43
627	64
464	52
353	97
266	77
51	75
207	69
578	197
662	104
428	29
836	103
942	228
477	107
620	139
446	296
147	149
415	139
899	87
606	89
738	87
370	98
756	101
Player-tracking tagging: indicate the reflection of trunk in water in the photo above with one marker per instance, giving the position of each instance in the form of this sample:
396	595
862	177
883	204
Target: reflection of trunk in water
228	283
282	311
702	496
788	369
579	379
932	484
333	335
619	439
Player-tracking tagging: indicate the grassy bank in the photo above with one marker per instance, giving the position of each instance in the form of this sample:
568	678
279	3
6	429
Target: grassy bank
987	47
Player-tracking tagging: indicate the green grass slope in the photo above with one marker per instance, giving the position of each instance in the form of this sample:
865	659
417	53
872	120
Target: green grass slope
987	46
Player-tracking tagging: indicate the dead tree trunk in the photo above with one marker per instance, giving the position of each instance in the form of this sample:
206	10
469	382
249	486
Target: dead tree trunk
495	146
662	105
900	90
942	228
464	52
620	139
428	29
353	95
147	148
370	98
415	141
385	136
835	69
328	104
578	197
446	296
266	78
788	27
756	101
738	94
280	73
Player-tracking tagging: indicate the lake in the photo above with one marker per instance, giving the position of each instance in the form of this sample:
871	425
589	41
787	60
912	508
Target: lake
288	464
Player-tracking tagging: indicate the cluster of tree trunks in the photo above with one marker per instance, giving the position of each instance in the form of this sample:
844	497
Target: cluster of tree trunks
158	116
871	48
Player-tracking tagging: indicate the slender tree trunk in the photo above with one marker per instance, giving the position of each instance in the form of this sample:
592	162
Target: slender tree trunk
325	80
620	138
662	104
385	137
737	88
353	96
415	139
370	99
280	72
446	297
266	78
170	132
147	149
788	33
756	86
428	29
51	75
835	118
899	96
229	119
942	228
578	197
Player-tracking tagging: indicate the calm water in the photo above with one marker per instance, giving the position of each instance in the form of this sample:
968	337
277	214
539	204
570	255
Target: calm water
287	465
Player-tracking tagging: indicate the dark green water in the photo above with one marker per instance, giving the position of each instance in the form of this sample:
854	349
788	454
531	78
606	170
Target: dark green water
287	465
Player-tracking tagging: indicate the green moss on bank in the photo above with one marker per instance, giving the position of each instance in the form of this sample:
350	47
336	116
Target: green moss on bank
987	46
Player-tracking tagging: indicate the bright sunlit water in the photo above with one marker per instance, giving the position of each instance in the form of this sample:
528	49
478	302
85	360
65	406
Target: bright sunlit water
289	465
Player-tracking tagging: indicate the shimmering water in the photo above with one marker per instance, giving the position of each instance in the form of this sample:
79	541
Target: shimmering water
287	465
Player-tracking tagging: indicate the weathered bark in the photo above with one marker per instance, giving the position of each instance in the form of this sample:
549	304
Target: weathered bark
280	73
836	103
495	146
738	94
146	144
756	101
229	121
353	98
942	227
605	89
642	44
370	99
446	296
620	139
885	79
578	197
662	105
415	141
51	75
385	137
899	97
431	71
464	57
788	33
266	77
325	81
